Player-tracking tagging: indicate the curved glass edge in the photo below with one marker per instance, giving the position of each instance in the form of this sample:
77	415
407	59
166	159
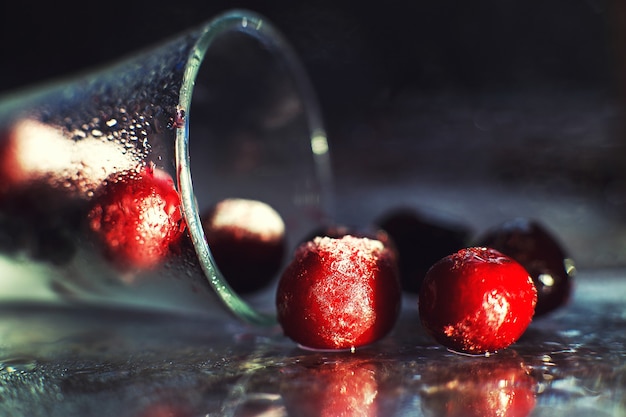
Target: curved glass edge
254	25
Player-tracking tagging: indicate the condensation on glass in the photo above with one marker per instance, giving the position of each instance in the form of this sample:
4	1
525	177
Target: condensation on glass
226	110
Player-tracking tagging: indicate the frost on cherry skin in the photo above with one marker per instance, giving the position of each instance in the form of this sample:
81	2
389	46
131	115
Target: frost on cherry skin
136	218
477	301
339	293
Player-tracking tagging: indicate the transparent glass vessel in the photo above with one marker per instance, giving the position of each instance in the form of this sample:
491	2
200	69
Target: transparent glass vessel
225	110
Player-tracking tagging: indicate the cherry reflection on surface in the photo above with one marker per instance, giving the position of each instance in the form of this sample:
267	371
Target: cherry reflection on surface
164	409
496	386
345	386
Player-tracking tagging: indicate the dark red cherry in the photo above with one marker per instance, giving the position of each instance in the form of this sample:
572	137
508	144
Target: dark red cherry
421	240
532	245
248	242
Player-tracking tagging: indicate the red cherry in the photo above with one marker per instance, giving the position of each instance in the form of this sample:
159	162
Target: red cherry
247	240
339	293
136	218
532	245
477	301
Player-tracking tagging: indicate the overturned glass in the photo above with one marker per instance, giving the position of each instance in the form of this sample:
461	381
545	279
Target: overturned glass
225	110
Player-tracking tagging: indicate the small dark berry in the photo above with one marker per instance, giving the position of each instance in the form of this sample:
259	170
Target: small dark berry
533	246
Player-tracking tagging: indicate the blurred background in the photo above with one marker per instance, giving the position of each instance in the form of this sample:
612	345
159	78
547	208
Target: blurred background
358	57
439	96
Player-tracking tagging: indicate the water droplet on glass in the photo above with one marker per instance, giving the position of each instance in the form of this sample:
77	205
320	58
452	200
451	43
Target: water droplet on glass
19	364
78	134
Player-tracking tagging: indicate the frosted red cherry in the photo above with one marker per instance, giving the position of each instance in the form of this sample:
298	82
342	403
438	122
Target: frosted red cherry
136	218
477	301
339	293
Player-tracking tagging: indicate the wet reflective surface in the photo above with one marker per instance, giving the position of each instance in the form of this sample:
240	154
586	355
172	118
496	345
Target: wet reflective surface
97	362
478	159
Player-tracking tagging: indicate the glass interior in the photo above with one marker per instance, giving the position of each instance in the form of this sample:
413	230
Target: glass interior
231	88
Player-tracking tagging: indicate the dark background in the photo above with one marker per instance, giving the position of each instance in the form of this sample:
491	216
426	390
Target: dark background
358	56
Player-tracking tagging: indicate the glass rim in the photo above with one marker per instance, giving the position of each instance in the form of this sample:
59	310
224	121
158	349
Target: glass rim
258	27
